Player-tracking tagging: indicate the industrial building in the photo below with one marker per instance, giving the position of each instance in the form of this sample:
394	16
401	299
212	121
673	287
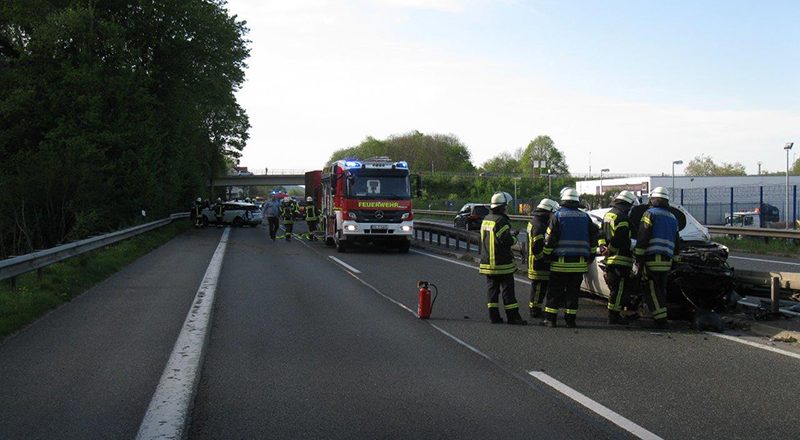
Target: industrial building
710	198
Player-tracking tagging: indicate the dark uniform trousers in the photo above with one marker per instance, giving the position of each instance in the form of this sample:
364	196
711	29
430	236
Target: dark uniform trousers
563	290
273	226
619	286
501	284
656	295
538	292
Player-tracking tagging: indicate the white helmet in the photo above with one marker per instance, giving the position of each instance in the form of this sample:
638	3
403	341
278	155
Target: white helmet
548	205
570	194
199	200
500	199
309	199
626	196
659	192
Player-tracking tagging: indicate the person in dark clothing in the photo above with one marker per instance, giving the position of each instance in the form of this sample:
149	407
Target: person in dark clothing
197	213
538	265
311	218
615	246
497	261
657	247
570	242
219	212
288	211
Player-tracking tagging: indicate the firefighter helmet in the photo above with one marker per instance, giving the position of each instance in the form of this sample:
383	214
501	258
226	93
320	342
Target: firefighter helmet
659	192
500	199
309	199
199	200
548	205
626	196
570	195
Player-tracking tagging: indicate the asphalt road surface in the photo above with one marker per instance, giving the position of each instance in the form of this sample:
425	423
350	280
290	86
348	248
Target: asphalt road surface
310	343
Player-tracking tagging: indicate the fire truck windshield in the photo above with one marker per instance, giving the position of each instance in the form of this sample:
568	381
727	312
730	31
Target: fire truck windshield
382	185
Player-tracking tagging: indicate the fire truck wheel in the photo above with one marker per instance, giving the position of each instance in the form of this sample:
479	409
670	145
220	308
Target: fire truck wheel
341	245
404	247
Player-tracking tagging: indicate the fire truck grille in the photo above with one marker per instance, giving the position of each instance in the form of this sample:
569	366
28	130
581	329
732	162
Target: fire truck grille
379	216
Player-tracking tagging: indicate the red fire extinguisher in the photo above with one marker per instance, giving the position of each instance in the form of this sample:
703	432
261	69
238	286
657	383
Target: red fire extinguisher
425	305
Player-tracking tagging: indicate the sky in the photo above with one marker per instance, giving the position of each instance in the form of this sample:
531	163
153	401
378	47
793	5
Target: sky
626	85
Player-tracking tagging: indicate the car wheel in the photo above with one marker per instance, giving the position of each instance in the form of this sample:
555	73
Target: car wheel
238	222
341	245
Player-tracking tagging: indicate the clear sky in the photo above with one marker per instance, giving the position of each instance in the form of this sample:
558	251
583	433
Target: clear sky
637	83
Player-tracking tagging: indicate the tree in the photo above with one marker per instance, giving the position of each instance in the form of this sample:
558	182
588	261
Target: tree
703	165
541	149
423	152
503	163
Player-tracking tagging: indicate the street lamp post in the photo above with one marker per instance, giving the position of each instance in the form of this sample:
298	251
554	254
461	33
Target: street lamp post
516	203
674	162
787	147
604	170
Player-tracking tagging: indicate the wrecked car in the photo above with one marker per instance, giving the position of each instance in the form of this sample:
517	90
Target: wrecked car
698	287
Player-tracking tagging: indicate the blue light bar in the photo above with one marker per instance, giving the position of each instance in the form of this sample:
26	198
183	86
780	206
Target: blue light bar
352	164
401	164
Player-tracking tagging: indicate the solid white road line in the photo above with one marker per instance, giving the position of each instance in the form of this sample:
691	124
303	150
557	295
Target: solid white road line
168	413
347	266
596	407
763	261
755	344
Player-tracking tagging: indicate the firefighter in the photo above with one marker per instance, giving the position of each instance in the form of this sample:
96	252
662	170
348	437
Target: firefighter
497	261
657	247
288	211
615	246
569	242
538	266
219	210
311	218
197	213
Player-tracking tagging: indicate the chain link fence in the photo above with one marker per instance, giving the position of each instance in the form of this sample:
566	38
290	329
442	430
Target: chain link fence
712	205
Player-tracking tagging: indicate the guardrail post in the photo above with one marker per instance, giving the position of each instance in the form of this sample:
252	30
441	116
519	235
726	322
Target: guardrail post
13	282
774	290
439	239
430	237
39	273
458	242
468	243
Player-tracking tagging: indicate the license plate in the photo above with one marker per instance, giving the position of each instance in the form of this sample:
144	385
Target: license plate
378	227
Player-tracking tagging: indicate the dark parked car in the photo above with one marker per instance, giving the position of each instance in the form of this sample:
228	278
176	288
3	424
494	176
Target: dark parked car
470	216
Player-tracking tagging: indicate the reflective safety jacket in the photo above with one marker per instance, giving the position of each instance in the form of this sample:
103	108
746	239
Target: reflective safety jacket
311	213
658	240
616	235
496	240
197	210
287	213
219	209
570	240
538	265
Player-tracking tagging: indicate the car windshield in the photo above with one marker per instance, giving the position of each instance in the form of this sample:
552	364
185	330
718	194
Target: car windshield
481	210
372	186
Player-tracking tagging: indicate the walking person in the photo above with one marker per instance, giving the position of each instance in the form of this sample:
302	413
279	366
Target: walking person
657	246
272	211
538	265
312	219
288	211
570	242
615	246
219	212
497	261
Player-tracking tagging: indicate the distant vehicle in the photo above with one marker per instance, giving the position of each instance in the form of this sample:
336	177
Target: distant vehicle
700	285
235	213
470	216
758	218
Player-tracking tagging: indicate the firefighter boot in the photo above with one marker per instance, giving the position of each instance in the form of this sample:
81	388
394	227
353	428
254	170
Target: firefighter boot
494	315
549	319
536	311
614	318
514	318
569	319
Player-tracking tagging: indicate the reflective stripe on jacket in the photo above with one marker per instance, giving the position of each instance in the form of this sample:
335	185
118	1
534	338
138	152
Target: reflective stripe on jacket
496	240
538	265
658	239
311	213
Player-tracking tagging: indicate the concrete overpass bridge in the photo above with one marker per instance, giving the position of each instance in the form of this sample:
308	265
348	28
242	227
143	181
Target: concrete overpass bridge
276	178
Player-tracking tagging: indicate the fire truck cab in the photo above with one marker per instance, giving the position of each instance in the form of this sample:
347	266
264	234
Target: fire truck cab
367	201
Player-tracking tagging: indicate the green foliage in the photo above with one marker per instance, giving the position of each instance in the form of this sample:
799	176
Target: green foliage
539	151
774	246
423	152
703	165
108	108
63	281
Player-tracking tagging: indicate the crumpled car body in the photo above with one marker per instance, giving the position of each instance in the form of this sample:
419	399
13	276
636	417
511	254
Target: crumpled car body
701	282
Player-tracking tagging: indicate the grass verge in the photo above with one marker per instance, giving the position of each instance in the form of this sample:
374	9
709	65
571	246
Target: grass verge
63	281
753	245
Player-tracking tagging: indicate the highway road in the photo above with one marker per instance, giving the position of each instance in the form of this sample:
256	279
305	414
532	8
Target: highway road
306	342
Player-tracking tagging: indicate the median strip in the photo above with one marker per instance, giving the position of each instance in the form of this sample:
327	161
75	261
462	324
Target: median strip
599	409
167	415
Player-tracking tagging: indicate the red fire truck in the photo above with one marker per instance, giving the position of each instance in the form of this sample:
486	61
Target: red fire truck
366	201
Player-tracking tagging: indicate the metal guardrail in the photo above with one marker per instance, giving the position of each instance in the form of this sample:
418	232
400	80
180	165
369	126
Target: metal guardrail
448	233
750	232
12	267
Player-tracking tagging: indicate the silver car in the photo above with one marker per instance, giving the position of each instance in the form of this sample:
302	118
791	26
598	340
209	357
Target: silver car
235	213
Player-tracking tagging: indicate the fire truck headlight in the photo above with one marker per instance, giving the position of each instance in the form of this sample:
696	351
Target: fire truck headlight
405	228
350	227
352	215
